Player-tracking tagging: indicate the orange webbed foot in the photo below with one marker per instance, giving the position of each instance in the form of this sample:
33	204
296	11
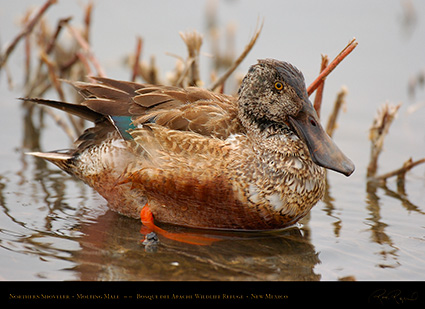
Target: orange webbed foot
189	238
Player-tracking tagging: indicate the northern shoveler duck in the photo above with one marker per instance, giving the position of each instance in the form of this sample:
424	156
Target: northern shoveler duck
195	158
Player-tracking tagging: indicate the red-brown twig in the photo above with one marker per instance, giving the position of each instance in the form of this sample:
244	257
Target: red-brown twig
27	58
87	51
27	30
319	92
84	61
55	36
344	53
137	58
51	67
87	20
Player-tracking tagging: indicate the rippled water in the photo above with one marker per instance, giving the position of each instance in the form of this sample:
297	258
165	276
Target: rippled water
53	227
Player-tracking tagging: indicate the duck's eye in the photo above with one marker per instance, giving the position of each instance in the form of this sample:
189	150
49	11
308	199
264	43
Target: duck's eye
278	85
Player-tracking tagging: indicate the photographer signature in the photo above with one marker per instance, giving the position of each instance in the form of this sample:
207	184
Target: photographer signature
392	296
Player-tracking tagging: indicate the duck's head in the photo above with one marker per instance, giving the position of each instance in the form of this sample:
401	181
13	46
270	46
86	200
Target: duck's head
274	93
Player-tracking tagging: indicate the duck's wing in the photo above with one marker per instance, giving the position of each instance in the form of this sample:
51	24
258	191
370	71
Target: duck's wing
190	109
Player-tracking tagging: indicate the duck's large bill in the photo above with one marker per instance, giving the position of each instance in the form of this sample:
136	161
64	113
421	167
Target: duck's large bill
323	150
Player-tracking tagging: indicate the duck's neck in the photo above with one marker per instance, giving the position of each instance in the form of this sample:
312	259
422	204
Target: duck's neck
262	131
281	174
276	145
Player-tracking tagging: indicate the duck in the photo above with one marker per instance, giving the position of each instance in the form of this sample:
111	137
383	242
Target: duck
195	158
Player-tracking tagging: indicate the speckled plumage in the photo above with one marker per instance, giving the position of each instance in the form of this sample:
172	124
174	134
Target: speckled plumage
203	159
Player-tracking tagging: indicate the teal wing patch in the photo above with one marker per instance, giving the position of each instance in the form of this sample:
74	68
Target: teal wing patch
123	124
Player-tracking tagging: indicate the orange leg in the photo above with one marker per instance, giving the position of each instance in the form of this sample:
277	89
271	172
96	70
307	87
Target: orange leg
149	226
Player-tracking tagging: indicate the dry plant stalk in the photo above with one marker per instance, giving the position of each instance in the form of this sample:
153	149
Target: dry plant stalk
60	121
55	61
54	80
379	129
40	75
339	102
401	172
222	59
25	32
87	52
147	71
193	41
238	61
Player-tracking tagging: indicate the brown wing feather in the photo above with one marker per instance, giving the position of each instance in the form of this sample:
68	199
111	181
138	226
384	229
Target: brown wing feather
152	99
129	87
108	107
191	109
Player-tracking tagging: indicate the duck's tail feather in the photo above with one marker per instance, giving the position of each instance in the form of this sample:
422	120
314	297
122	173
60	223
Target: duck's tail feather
62	160
74	109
